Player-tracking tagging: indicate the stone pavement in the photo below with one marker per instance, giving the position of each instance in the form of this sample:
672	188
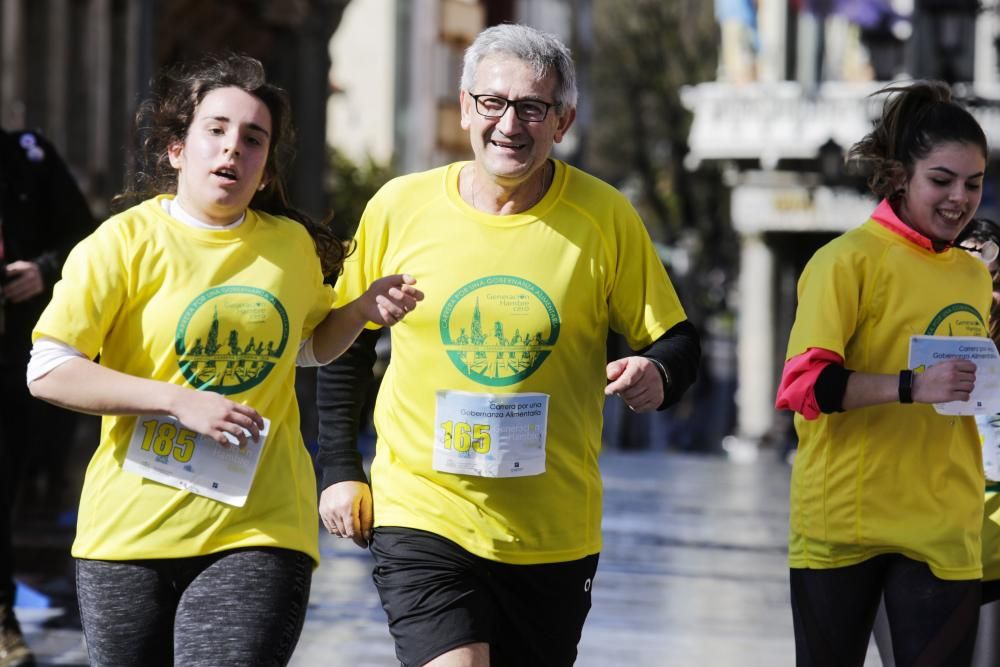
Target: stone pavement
692	574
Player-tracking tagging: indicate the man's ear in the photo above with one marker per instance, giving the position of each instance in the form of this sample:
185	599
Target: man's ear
465	102
564	122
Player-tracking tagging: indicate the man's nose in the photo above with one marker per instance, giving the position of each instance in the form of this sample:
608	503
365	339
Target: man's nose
508	122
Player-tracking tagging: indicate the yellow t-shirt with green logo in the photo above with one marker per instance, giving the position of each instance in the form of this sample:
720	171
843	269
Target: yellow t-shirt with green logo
514	304
887	478
220	310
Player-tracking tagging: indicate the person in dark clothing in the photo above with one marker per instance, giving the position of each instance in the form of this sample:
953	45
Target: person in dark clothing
43	215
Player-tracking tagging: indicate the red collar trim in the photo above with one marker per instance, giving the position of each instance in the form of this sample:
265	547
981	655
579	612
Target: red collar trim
885	216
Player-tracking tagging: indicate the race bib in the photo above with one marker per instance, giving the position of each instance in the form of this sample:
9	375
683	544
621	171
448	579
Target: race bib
163	450
490	435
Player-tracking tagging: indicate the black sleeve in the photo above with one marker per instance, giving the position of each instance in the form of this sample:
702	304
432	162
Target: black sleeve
342	388
830	387
679	351
69	219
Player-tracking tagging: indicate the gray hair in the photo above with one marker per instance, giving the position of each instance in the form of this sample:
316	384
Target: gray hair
543	51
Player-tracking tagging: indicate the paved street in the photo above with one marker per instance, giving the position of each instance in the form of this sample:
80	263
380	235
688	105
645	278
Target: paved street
692	574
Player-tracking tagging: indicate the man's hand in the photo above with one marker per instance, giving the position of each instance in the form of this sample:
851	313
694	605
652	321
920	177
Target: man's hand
23	280
346	511
637	380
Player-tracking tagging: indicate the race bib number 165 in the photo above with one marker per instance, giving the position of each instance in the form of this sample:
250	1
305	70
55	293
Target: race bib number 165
490	435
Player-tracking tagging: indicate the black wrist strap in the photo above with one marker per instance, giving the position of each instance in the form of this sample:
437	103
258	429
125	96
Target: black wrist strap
906	386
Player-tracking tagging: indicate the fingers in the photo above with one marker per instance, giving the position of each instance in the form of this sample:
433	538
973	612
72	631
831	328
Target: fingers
638	400
627	374
398	298
947	381
24	281
329	512
346	511
365	519
239	426
236	425
250	419
637	382
964	365
328	522
357	535
340	524
615	368
334	524
390	311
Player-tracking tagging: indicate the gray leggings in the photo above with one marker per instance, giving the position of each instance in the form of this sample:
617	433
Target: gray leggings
241	608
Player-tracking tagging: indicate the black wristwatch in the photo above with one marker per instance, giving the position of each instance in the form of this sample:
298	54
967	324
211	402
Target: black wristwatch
906	386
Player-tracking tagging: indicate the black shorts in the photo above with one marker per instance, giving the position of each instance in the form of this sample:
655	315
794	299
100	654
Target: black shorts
438	596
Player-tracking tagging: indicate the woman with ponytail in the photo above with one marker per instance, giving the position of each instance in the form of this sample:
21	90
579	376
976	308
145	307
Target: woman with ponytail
887	494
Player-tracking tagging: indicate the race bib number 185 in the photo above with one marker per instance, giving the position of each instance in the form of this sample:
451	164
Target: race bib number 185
163	450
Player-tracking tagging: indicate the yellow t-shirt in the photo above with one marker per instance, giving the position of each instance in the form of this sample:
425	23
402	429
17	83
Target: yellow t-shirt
991	534
989	431
220	310
514	303
887	478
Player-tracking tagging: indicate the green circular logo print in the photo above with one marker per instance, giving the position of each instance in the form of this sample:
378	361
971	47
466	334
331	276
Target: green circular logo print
229	338
958	319
498	330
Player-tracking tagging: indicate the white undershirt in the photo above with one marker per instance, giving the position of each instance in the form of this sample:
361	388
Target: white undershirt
48	353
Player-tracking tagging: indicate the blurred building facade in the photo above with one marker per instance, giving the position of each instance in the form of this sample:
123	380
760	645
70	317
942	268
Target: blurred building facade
77	69
396	66
792	95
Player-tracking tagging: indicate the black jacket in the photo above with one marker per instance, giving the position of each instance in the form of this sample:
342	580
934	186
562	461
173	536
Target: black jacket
43	215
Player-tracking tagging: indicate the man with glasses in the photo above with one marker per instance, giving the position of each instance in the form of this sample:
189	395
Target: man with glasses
487	492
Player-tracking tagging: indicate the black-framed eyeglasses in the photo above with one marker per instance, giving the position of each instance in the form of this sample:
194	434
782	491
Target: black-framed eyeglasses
530	111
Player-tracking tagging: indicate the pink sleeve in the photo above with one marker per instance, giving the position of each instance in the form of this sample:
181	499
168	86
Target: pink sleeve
798	381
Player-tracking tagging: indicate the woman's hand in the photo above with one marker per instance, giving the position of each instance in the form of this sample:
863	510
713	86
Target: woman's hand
389	299
81	384
385	302
951	380
214	415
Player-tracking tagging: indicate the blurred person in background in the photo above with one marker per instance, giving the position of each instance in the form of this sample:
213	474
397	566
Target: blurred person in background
486	491
981	237
887	494
43	215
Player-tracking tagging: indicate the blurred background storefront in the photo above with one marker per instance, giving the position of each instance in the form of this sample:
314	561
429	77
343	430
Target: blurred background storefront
724	122
792	94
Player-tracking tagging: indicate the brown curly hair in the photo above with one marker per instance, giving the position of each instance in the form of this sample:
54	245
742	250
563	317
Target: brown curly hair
164	118
915	119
